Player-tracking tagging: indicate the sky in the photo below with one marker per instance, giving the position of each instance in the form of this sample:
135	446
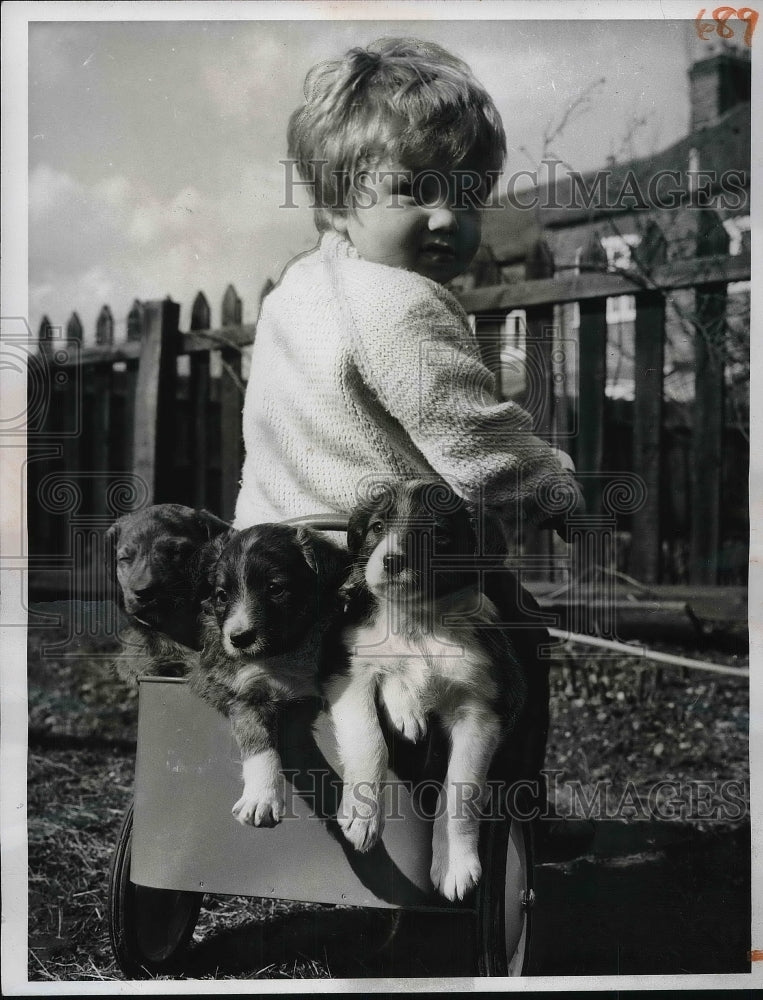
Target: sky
154	147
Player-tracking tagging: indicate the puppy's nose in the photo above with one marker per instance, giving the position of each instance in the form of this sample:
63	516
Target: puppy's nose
394	563
145	593
244	638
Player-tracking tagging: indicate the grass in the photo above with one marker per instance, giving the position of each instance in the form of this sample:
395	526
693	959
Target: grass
636	724
623	722
76	801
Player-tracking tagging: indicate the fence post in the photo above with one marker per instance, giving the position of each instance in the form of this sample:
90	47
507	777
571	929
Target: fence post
707	432
489	333
539	396
74	329
101	416
135	321
42	540
199	391
72	401
104	328
155	399
592	379
539	383
647	409
231	403
45	336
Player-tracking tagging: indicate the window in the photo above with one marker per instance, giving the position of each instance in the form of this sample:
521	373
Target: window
622	308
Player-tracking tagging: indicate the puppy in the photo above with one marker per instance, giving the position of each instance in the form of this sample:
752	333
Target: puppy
161	555
423	639
270	626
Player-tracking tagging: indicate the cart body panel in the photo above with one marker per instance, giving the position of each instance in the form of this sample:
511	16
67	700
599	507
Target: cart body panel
188	775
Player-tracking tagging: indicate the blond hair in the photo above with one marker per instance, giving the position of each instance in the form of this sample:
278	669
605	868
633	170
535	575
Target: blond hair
399	99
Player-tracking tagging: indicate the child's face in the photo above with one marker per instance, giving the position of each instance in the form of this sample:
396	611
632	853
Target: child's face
420	227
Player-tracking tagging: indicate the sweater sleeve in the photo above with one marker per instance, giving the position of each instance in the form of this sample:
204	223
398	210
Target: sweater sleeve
415	350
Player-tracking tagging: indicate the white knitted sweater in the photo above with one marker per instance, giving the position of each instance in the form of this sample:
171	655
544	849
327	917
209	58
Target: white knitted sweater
361	370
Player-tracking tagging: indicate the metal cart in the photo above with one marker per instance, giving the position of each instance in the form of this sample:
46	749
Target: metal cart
179	840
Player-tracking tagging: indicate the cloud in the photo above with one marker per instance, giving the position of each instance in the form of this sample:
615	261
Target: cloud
247	79
115	241
159	169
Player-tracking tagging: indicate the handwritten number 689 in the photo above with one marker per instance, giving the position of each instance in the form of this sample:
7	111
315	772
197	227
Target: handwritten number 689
720	17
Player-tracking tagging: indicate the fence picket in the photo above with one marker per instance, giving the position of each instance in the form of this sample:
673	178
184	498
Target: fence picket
104	328
100	423
69	401
707	441
134	323
647	408
154	402
44	538
99	383
230	409
74	329
592	379
129	420
539	392
540	322
199	390
135	320
488	330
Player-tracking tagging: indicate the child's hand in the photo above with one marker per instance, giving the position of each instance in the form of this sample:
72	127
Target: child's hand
574	507
564	460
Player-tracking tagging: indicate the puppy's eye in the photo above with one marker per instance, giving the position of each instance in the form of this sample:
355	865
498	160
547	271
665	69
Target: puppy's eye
275	589
376	527
125	557
221	596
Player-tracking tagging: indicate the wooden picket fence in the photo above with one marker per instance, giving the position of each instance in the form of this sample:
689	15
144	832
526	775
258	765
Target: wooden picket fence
127	424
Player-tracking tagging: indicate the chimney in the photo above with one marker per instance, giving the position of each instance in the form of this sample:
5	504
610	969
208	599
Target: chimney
717	84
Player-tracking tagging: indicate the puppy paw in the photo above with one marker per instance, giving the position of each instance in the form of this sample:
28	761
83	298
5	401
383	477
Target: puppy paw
360	819
263	808
455	872
411	725
404	710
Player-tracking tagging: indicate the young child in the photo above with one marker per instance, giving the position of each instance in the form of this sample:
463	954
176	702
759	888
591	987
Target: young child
364	365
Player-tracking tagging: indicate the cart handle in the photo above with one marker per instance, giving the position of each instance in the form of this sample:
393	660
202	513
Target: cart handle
321	522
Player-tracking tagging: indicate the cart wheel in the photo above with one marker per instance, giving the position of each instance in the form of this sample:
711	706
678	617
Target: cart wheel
150	929
506	898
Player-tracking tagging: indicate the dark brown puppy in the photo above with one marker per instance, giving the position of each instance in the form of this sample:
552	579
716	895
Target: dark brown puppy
426	641
270	631
161	557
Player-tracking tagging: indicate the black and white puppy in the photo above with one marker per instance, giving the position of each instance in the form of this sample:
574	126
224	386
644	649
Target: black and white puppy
160	557
270	626
425	641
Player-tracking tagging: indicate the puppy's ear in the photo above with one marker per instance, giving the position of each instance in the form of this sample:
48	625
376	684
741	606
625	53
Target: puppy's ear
111	536
110	542
212	524
357	527
326	560
209	554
